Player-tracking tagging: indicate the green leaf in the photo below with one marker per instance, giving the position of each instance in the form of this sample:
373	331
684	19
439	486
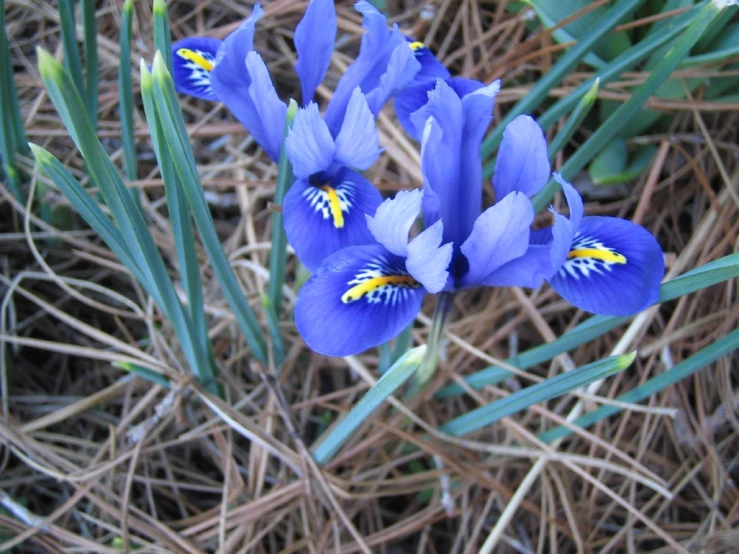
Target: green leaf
573	122
639	163
69	41
702	277
162	37
125	93
534	394
91	59
393	378
655	385
610	161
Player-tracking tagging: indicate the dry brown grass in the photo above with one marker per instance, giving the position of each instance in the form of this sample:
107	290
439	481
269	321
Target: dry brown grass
95	460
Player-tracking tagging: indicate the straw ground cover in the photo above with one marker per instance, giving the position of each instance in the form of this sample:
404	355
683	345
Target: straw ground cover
97	458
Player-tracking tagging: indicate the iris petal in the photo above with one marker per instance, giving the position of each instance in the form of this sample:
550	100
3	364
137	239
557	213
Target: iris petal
392	222
428	260
314	43
499	235
193	59
269	111
523	164
320	221
401	67
614	267
431	67
360	297
357	143
309	144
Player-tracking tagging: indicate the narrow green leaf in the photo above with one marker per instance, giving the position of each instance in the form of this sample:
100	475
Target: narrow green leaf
393	378
573	122
125	93
179	148
637	165
162	36
9	93
534	394
69	41
655	385
144	373
91	59
609	161
621	117
604	25
702	277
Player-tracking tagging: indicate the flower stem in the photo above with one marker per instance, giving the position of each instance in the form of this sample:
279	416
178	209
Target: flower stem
430	362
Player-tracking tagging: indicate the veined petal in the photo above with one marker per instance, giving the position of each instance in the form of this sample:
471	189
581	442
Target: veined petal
614	267
523	164
321	220
193	59
309	144
360	297
314	43
270	111
393	220
529	270
357	144
401	67
428	261
499	235
431	67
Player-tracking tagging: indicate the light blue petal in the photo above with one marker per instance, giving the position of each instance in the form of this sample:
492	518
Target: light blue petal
523	163
314	43
401	68
193	59
393	220
357	144
270	109
309	144
311	217
360	297
614	267
499	235
428	260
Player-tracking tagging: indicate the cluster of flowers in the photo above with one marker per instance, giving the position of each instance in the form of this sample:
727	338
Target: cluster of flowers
369	276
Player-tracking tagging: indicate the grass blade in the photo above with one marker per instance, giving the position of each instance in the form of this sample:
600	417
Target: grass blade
722	347
534	394
9	139
623	114
702	277
393	378
162	36
573	122
69	42
91	59
125	93
179	148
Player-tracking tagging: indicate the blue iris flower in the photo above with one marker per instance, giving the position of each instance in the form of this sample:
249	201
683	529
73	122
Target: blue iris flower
231	72
362	296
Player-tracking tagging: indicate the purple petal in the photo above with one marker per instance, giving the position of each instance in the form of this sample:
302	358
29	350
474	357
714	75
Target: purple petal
393	220
523	163
401	67
320	221
360	297
431	67
271	111
614	267
193	59
427	260
309	144
499	235
314	42
357	143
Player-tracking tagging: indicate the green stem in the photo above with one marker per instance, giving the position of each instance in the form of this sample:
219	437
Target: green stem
430	362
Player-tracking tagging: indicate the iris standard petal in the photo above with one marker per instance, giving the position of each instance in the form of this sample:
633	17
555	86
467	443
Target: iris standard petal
409	100
321	220
270	111
193	59
360	297
309	144
400	69
314	43
614	267
523	164
393	220
428	261
499	235
431	67
357	143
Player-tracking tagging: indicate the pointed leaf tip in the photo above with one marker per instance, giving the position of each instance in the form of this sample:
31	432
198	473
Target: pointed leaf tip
625	360
292	109
592	93
160	7
48	65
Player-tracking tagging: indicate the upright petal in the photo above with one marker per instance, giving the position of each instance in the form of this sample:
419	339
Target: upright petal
399	72
309	145
523	163
613	267
314	42
393	220
428	261
360	297
357	144
321	220
193	59
431	67
499	235
270	111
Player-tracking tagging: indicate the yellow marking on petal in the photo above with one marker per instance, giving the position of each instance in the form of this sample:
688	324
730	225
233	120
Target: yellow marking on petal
194	57
597	254
365	287
334	205
416	45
